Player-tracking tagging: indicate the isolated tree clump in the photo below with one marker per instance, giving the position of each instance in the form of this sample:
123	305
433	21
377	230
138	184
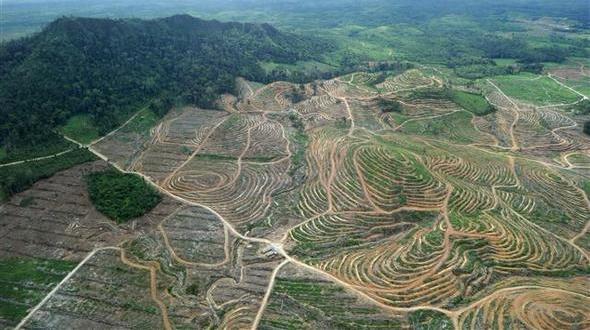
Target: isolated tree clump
119	196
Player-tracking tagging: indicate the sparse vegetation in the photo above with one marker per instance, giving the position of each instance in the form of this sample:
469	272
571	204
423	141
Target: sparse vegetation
429	320
16	178
473	103
25	281
300	140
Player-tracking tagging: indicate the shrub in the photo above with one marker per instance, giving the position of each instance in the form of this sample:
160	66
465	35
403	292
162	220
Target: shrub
389	105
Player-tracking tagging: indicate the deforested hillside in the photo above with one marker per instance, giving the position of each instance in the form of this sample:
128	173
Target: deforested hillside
105	68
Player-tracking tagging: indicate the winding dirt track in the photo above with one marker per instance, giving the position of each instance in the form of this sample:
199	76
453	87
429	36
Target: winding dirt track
36	159
327	183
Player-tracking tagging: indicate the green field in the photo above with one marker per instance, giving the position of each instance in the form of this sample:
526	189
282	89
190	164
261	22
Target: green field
81	129
539	90
473	103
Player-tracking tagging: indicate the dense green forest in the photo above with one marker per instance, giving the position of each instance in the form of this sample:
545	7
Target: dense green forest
106	68
119	196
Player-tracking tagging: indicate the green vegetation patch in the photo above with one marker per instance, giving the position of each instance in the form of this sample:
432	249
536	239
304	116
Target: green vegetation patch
62	78
145	120
3	155
535	89
454	127
81	128
24	282
322	304
582	107
300	140
121	197
389	105
428	319
51	145
472	102
16	178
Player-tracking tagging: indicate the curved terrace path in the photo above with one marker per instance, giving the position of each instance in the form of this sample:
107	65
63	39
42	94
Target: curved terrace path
277	246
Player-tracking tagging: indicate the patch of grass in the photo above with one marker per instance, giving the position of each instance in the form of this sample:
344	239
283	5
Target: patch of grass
535	89
142	123
121	197
505	61
474	103
25	281
80	128
471	102
16	178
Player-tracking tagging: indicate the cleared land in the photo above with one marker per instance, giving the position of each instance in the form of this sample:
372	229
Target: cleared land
323	206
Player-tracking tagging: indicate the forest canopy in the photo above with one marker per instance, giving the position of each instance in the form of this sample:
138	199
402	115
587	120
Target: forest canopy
108	68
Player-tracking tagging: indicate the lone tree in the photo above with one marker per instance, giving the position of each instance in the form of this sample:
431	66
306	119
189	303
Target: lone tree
587	127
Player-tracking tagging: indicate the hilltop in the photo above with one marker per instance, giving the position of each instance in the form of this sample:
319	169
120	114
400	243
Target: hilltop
104	69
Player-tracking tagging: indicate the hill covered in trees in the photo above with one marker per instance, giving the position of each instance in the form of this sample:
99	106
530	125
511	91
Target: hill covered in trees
107	68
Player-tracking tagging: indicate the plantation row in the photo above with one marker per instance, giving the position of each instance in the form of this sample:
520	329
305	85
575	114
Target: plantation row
369	200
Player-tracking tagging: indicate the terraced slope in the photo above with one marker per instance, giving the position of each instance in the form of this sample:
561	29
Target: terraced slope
324	206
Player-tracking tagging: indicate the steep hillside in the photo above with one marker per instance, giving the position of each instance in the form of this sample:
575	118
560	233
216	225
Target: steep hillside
107	68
